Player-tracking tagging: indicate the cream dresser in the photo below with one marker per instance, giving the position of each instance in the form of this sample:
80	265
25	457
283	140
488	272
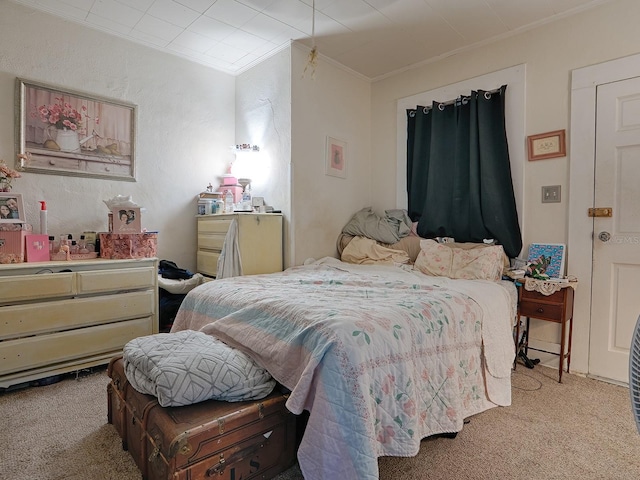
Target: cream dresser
57	317
259	241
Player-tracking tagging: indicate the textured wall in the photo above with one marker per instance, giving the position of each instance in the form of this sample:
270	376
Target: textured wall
334	103
550	53
263	117
185	125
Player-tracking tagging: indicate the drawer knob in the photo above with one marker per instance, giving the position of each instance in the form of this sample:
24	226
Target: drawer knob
540	310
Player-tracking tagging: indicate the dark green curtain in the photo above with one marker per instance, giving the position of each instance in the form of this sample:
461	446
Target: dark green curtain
458	172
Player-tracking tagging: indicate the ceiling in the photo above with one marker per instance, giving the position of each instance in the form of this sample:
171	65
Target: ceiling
372	37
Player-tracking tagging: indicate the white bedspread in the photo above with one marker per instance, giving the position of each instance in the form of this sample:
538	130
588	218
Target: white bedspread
381	356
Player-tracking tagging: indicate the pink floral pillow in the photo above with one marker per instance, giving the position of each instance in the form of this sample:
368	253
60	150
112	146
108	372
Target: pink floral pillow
434	259
478	263
470	264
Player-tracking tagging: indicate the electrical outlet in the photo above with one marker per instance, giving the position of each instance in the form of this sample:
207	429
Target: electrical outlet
551	194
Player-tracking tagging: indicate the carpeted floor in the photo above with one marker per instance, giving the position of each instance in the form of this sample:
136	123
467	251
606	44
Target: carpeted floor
580	429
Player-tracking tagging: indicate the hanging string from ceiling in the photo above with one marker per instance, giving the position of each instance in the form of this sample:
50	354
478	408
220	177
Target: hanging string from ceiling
312	60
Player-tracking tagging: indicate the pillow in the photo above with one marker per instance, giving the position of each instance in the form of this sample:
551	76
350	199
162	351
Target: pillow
440	259
188	367
478	264
468	245
434	258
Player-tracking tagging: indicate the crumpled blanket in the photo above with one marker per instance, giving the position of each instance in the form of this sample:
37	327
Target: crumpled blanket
188	367
365	251
388	229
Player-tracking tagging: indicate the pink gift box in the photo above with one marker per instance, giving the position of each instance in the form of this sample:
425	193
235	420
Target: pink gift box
12	246
128	245
37	248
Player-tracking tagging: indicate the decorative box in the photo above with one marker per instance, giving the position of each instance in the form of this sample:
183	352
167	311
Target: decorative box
128	245
37	248
12	246
12	242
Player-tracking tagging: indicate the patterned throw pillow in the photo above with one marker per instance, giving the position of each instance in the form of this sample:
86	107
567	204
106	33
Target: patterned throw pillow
188	367
478	264
434	259
483	263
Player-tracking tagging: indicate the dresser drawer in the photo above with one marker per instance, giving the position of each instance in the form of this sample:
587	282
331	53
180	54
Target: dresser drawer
207	263
36	318
556	297
46	350
123	279
209	241
545	311
46	285
218	225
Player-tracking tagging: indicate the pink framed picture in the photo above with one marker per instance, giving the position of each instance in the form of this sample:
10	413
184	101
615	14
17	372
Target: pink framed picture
336	161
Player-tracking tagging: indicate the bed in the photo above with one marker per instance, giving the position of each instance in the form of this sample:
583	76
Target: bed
380	355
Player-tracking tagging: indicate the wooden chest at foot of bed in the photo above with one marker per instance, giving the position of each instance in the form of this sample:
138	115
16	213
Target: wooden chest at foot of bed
212	439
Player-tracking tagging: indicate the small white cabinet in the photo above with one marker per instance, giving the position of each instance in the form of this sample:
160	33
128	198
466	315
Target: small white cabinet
57	317
259	242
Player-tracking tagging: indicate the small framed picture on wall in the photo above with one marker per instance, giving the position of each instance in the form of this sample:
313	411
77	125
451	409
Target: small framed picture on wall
336	160
547	145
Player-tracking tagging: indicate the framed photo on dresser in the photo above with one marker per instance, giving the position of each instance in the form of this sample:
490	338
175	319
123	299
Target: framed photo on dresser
11	208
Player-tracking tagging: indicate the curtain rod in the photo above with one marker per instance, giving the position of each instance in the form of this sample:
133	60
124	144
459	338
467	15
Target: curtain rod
461	100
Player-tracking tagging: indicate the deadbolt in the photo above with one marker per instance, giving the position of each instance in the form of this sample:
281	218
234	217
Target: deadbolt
604	236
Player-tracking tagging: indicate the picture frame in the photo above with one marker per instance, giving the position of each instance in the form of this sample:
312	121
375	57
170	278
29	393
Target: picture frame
336	158
66	132
126	220
547	145
11	208
546	259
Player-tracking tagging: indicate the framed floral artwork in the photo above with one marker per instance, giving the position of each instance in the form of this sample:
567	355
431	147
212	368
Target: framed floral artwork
546	260
336	158
65	132
11	208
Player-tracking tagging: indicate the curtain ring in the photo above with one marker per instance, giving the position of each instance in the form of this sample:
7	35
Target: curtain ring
441	107
465	100
426	110
412	113
487	95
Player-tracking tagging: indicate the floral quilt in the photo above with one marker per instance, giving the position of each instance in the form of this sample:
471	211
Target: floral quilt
380	356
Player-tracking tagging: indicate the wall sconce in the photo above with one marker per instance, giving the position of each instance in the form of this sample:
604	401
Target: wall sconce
246	147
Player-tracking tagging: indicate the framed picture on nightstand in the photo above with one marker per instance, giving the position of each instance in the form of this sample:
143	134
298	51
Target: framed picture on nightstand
547	259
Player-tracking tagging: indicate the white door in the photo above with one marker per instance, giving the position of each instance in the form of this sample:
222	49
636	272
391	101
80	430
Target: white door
615	301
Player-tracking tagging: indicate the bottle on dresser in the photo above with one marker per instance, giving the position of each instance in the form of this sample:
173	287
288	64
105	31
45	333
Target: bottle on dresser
82	245
228	202
54	246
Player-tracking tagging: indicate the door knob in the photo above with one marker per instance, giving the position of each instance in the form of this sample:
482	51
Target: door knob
604	236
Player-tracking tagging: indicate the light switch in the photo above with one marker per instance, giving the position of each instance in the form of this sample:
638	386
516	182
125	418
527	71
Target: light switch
551	194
